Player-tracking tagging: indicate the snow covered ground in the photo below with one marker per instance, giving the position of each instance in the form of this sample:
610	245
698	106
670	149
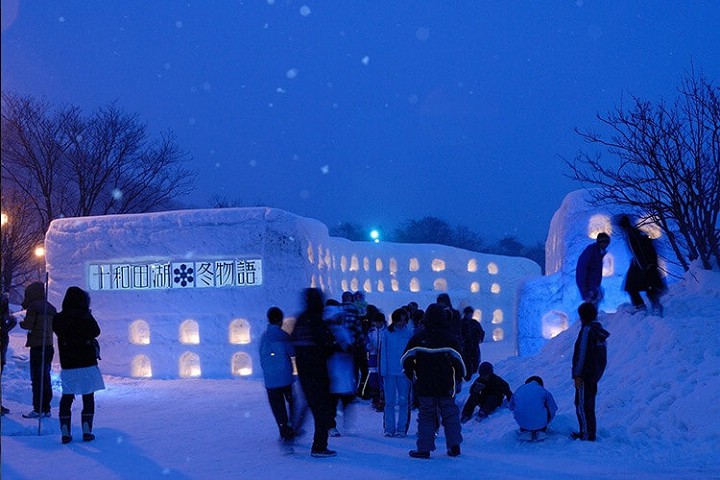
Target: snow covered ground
658	417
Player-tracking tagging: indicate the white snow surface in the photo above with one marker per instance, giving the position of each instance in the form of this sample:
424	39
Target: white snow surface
657	408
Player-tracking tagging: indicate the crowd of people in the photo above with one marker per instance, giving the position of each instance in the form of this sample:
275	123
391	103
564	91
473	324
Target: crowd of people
345	351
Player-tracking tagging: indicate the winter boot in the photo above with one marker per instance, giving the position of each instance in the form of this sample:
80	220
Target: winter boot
65	429
87	422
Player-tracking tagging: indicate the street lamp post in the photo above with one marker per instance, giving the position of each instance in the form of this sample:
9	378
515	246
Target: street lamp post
40	255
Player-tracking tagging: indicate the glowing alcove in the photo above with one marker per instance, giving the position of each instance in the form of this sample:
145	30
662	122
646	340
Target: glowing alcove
498	316
599	223
492	268
380	286
378	265
189	365
189	333
366	264
343	263
553	323
472	265
495	288
438	265
367	286
139	332
344	285
241	364
477	314
310	255
475	287
608	265
313	281
239	332
415	285
393	265
498	334
394	285
354	265
414	265
141	367
440	284
354	283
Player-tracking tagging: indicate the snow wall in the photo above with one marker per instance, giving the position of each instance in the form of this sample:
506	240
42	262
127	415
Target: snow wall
548	305
184	294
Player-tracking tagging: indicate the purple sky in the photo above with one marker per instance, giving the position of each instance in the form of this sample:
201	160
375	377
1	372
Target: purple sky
372	112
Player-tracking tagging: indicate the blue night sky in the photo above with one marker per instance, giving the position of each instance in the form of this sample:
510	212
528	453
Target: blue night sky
373	112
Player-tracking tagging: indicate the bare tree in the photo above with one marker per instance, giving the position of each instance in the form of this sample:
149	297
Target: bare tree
668	166
66	164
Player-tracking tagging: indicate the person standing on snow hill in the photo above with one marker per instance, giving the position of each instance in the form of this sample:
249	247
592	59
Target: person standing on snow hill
7	323
588	273
38	323
533	407
643	273
313	344
276	362
432	361
77	331
473	335
588	365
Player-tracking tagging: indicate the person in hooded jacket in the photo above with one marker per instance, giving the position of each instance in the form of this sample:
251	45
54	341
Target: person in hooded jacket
433	363
588	365
38	323
276	352
77	331
533	407
314	342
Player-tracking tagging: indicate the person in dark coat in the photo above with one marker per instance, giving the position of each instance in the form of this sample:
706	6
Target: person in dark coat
276	352
77	331
588	365
643	275
473	335
486	392
38	323
588	273
7	323
313	344
433	363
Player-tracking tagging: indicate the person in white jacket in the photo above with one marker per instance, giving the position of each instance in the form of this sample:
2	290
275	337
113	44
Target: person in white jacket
396	385
533	407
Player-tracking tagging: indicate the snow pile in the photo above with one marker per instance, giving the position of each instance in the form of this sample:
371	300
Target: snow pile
657	417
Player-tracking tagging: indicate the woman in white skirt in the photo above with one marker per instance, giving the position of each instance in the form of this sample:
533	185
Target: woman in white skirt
76	330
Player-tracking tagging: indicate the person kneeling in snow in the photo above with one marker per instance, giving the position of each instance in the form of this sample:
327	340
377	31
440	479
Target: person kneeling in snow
487	392
533	407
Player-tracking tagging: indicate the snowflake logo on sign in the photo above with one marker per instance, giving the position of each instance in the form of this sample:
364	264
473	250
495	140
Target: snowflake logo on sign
183	275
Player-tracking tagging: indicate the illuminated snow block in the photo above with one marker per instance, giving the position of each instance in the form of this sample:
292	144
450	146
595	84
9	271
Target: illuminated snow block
184	294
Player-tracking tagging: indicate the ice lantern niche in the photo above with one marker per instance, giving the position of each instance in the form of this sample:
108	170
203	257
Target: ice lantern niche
189	333
139	331
553	323
141	367
242	364
239	332
189	365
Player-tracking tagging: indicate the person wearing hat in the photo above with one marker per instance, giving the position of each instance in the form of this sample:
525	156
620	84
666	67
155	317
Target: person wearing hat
588	273
486	392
